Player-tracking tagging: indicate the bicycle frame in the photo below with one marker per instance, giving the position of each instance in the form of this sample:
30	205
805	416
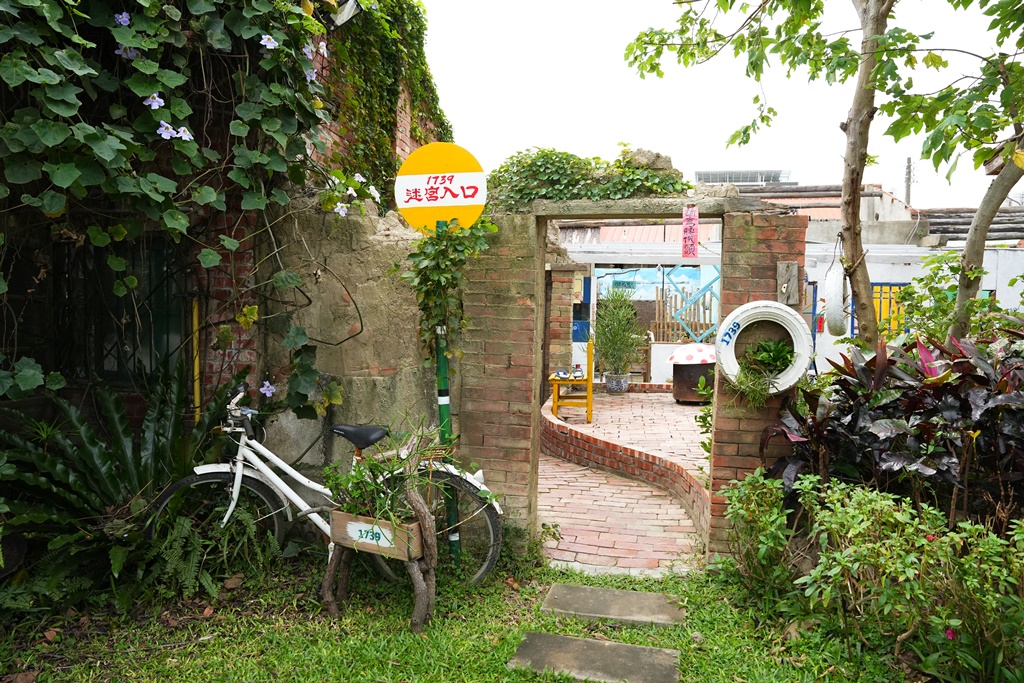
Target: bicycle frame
247	455
251	451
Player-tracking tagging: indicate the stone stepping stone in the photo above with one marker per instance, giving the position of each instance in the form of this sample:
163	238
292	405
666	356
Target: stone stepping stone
629	607
596	660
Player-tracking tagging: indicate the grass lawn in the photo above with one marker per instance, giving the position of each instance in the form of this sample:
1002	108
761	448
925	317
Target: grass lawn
275	630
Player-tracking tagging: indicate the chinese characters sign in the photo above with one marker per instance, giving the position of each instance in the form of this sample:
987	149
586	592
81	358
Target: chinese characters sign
440	182
691	219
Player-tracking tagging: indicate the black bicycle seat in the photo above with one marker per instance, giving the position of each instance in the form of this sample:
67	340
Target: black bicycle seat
361	436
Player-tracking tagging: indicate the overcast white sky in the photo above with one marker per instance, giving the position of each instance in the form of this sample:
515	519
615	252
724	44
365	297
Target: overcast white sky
518	74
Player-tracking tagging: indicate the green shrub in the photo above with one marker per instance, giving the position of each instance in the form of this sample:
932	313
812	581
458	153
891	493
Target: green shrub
79	489
887	575
618	334
760	538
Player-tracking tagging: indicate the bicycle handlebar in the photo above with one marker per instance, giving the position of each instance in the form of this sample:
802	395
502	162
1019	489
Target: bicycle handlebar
244	413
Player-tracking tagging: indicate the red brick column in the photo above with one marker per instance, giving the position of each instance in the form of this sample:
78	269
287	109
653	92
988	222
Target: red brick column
499	411
752	245
559	305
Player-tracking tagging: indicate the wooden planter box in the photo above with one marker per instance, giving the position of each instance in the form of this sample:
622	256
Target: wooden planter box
377	536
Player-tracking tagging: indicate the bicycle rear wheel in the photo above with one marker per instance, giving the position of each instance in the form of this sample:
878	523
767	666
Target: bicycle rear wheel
190	511
475	536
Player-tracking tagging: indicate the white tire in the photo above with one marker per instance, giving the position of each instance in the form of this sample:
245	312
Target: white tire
836	311
768	311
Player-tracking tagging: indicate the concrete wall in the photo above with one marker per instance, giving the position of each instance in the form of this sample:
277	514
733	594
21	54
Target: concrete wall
908	232
344	264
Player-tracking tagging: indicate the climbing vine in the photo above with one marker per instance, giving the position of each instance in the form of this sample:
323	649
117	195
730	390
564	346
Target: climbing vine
121	119
375	59
436	275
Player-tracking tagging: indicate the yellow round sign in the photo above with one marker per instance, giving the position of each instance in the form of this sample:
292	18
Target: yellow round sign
440	182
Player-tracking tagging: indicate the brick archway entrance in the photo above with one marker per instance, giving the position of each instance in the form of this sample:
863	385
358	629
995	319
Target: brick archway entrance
509	342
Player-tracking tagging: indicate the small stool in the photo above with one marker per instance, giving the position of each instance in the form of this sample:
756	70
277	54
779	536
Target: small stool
586	381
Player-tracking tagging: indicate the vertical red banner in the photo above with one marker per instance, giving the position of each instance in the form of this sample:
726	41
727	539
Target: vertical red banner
691	219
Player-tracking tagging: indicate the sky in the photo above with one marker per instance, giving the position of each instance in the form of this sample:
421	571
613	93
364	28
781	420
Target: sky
515	75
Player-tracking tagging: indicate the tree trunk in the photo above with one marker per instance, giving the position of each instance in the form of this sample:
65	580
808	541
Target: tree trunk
974	249
874	16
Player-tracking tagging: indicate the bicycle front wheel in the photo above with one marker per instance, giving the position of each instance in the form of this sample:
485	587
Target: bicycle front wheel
468	530
190	511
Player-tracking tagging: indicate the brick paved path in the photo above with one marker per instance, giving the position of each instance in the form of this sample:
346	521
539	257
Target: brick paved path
610	524
653	423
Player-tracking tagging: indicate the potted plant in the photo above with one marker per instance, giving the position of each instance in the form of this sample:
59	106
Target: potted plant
759	367
618	336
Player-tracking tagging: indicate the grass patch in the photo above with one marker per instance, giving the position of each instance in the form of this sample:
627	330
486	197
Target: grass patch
275	630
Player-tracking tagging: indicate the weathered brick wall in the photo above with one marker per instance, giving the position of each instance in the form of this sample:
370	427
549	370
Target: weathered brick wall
558	292
224	290
752	245
499	411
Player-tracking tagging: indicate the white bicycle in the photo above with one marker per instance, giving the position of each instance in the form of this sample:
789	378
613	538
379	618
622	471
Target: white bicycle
251	489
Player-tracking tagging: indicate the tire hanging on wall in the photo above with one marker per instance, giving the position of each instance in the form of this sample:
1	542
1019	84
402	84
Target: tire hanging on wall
835	301
767	311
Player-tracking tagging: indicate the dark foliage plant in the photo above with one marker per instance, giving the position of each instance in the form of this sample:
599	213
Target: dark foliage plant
922	419
78	488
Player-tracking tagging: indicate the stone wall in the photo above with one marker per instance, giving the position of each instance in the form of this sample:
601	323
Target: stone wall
752	244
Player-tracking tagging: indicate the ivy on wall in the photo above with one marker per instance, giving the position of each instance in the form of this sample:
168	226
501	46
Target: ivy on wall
124	118
544	173
375	59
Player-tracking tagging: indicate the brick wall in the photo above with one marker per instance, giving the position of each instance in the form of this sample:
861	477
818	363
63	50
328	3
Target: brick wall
499	409
559	301
752	245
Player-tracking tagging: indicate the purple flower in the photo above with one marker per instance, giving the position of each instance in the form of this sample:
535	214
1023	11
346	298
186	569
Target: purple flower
126	52
166	131
341	209
269	42
268	389
307	50
123	18
310	75
154	101
359	178
951	634
184	134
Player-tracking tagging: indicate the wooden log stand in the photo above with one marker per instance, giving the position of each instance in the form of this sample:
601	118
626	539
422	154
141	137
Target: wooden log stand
414	544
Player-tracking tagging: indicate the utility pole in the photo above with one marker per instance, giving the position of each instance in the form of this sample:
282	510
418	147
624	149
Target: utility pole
910	174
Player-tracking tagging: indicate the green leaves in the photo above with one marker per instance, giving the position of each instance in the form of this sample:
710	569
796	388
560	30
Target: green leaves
21	169
551	174
175	220
62	175
295	339
286	279
208	258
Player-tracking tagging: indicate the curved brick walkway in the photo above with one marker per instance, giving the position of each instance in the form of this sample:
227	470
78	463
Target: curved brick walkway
610	524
